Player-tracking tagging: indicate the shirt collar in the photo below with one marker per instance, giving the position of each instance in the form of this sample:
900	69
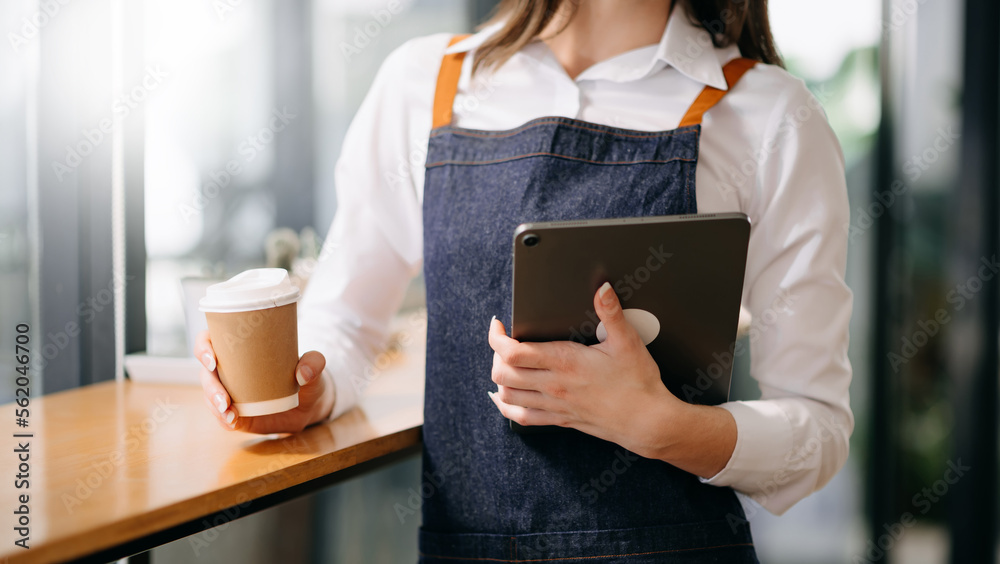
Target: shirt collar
475	40
688	48
684	45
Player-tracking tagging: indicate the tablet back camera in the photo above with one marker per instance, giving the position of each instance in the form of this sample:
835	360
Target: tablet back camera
530	240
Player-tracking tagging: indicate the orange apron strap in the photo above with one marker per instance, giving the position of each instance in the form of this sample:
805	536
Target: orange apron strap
447	85
710	96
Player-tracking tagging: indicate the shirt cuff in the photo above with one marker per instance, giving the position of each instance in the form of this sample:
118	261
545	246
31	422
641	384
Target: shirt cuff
346	394
763	439
339	363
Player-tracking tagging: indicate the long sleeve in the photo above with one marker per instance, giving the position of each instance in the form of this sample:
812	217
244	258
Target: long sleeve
374	247
795	438
769	130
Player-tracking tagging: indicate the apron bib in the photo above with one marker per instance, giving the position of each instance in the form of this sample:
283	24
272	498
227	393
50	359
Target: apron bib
499	496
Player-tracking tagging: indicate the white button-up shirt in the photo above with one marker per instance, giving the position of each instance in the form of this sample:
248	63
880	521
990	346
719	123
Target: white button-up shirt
766	150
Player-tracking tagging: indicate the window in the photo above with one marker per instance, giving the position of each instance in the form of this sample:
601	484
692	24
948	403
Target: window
17	254
243	136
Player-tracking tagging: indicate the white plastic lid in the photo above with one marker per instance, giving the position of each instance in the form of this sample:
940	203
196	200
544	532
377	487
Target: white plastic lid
260	288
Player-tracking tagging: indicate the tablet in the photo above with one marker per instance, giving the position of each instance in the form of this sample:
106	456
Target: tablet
679	279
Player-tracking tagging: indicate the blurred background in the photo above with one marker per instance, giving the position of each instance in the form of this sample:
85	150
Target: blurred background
138	147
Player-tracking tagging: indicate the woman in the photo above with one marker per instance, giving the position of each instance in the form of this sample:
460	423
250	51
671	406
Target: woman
563	110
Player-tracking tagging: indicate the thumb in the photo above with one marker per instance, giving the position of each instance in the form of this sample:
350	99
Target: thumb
309	368
609	310
309	374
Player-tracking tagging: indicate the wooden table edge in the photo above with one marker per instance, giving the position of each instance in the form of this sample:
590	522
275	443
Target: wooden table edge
184	518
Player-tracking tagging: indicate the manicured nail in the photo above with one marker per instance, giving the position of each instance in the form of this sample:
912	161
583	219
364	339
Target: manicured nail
220	403
494	318
605	296
303	375
230	417
489	393
209	361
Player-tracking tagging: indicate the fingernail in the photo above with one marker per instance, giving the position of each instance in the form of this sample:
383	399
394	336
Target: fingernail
209	361
489	393
230	417
605	296
494	318
303	375
220	403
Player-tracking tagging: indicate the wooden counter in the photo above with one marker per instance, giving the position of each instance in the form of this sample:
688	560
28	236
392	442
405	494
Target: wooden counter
117	468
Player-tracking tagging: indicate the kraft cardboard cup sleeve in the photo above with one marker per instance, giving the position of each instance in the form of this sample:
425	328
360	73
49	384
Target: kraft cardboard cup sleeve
252	320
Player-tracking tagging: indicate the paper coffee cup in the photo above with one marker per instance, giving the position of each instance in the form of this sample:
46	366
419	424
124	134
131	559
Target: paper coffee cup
252	321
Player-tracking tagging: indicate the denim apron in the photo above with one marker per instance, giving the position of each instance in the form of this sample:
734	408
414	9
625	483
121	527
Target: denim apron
492	495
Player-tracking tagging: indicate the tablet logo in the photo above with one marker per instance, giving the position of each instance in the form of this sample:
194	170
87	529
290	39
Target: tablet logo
645	323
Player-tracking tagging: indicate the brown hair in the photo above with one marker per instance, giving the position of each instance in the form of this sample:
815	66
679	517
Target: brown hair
740	22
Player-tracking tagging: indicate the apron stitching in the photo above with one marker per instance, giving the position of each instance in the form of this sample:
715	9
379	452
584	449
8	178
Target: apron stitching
548	121
735	545
558	156
691	173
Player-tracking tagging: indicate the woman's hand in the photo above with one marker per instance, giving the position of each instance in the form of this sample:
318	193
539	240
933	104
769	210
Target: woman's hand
611	390
316	395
